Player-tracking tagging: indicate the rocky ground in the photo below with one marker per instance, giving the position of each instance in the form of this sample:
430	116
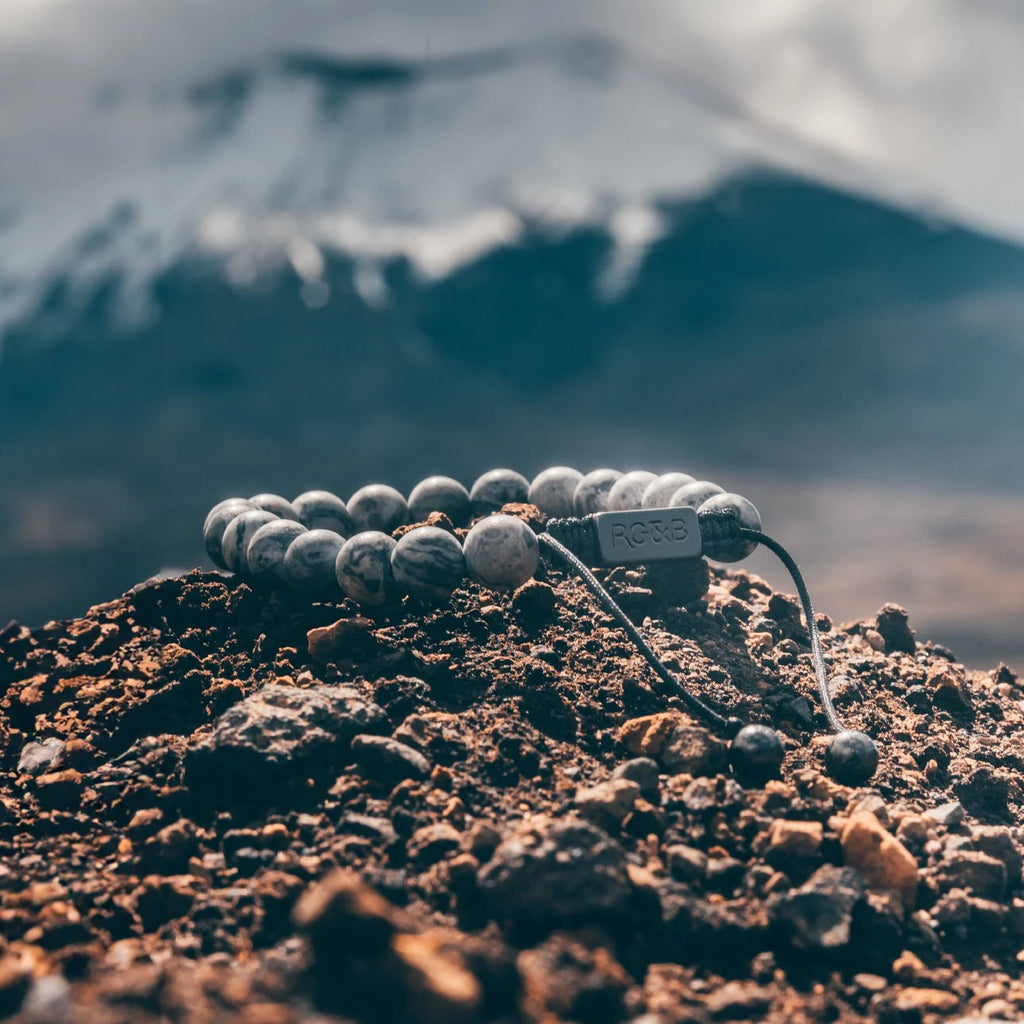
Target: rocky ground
219	805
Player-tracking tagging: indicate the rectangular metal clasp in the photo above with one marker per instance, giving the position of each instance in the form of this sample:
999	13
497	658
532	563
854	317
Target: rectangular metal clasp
648	535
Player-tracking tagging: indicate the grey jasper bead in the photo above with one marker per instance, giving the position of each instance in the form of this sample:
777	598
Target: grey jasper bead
321	510
552	490
501	551
266	551
217	522
591	494
309	561
281	507
440	494
363	568
378	507
428	563
659	492
748	516
236	538
496	488
628	491
694	495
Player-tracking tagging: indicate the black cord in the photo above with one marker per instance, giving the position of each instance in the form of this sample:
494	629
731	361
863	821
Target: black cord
727	725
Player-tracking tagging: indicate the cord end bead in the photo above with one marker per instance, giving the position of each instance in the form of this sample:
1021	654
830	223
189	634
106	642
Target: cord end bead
851	757
756	754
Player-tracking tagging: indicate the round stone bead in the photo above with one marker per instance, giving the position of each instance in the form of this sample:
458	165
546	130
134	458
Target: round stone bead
217	522
428	563
363	568
310	559
659	492
748	517
552	490
496	488
281	507
265	554
591	494
695	494
378	507
628	491
321	510
240	531
851	757
756	754
440	494
501	551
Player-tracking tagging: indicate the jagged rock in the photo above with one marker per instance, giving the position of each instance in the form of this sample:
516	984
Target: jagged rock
607	803
818	915
978	872
386	760
882	859
38	756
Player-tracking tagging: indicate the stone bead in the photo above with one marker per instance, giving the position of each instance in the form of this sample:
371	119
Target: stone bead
440	494
363	568
310	559
321	510
239	532
628	491
217	522
748	516
695	494
281	507
851	757
501	551
428	563
591	494
659	492
378	507
552	490
496	488
265	554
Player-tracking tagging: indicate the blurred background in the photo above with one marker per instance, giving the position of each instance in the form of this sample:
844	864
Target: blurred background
250	246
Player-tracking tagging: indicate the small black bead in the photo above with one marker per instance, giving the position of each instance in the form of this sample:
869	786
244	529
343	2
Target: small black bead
851	757
756	754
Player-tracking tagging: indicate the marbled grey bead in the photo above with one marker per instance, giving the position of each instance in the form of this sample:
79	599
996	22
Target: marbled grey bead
363	568
321	510
694	495
440	494
628	491
552	490
281	507
378	507
659	492
309	561
236	538
266	551
217	522
748	516
428	563
496	488
591	494
501	551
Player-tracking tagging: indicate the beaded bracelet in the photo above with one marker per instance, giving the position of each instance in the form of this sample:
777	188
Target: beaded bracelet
321	546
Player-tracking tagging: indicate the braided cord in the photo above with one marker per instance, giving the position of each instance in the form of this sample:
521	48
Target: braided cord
608	603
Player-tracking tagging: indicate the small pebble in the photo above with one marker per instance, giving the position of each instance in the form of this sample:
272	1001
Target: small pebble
363	568
310	559
591	494
428	562
628	491
440	494
281	507
748	517
321	510
694	495
644	772
659	492
496	488
217	522
236	538
552	490
265	555
378	507
501	551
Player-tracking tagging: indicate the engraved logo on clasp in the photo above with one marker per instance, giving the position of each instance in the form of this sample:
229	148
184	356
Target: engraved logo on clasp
656	531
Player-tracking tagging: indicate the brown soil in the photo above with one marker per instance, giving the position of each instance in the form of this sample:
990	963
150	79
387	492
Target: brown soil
452	815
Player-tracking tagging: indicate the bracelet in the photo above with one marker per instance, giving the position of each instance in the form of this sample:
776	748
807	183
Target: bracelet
321	546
